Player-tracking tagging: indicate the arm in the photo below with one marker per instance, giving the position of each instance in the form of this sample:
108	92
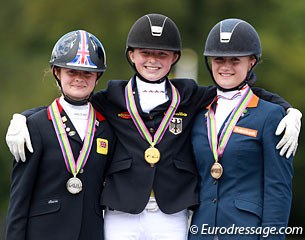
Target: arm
23	181
291	122
271	97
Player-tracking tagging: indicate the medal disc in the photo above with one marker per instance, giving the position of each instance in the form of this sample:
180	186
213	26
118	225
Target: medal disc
74	185
216	170
152	155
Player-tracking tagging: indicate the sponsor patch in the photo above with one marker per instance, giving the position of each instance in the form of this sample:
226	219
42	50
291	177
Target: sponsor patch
124	115
245	131
181	114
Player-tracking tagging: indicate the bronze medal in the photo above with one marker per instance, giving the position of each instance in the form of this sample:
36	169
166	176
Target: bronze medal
74	185
216	170
152	155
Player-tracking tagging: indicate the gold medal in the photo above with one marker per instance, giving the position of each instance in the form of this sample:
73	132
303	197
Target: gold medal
216	170
74	185
152	155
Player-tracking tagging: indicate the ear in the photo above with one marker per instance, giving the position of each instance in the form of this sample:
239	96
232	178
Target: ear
131	55
252	62
57	72
176	56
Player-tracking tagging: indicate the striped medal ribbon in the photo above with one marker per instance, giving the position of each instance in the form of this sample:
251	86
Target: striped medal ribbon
152	154
217	169
74	184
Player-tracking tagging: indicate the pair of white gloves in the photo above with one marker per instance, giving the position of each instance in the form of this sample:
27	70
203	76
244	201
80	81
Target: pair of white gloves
18	135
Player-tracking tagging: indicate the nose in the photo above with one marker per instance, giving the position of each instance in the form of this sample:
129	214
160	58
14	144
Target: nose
79	77
227	65
152	58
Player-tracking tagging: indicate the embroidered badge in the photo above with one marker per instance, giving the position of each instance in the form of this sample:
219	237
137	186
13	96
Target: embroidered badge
245	131
124	115
175	125
181	114
102	146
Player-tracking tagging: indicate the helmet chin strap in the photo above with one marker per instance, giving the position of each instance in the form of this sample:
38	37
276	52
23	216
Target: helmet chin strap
148	81
238	87
143	78
76	102
70	100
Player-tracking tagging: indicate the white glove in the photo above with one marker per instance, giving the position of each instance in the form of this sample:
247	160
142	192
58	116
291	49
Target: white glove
17	135
292	123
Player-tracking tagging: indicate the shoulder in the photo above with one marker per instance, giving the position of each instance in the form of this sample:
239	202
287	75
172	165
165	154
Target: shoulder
183	83
116	84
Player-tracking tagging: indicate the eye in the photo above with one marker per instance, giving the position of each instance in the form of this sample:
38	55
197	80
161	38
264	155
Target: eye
145	52
71	71
235	59
218	59
89	74
162	54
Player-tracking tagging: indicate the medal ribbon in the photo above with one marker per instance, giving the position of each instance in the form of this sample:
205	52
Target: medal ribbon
142	129
229	125
65	146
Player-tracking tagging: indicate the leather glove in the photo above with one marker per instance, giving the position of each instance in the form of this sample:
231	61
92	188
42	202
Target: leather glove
17	135
292	123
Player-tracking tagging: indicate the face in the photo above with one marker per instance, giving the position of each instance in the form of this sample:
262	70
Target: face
76	84
152	64
229	72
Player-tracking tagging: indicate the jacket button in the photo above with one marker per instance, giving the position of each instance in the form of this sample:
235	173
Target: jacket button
151	117
151	130
214	200
215	182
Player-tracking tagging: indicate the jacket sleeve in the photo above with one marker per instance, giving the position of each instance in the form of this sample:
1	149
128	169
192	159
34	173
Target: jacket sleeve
271	97
278	173
22	183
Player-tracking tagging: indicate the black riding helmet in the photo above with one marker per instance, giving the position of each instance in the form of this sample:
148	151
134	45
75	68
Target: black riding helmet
79	50
154	31
233	38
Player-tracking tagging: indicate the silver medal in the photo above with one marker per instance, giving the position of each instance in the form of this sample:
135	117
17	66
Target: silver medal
74	185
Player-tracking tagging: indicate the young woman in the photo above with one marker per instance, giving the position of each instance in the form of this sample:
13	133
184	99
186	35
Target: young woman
55	194
245	185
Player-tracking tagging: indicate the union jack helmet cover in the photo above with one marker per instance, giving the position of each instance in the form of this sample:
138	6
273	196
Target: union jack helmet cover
79	50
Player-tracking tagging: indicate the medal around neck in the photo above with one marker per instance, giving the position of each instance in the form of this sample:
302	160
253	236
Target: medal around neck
152	155
216	170
74	185
218	145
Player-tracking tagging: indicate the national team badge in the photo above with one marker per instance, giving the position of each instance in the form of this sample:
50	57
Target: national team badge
175	125
102	146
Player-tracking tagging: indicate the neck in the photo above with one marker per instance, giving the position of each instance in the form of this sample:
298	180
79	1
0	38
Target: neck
148	81
76	102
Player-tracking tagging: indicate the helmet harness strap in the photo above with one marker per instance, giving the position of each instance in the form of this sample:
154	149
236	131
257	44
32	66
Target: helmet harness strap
250	74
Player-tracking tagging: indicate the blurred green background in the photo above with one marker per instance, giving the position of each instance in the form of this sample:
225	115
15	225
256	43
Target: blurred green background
30	28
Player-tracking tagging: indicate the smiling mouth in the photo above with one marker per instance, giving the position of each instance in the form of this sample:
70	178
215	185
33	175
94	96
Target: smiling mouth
226	74
152	68
78	86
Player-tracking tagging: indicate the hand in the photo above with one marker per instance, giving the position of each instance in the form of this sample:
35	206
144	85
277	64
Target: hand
17	135
292	123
